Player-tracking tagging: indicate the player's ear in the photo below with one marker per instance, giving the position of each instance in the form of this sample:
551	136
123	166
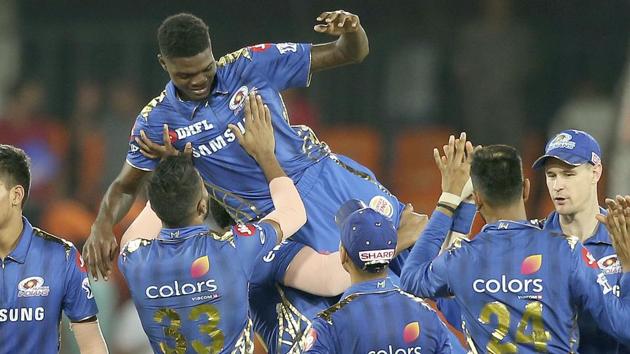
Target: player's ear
526	189
597	173
478	200
17	194
203	208
162	62
343	255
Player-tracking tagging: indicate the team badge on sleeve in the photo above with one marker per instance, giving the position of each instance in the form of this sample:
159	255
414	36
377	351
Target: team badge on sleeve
285	48
85	285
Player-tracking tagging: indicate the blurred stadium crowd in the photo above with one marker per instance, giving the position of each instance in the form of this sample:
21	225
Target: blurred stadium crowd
74	76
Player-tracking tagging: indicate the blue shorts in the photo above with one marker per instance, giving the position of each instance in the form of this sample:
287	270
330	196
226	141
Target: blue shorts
325	186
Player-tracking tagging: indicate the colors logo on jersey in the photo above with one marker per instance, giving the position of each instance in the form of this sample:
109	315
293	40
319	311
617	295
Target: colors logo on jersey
85	285
32	286
588	258
237	101
382	205
531	264
411	332
200	267
609	264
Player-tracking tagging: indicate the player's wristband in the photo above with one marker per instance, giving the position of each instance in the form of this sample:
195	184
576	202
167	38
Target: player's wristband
450	198
446	206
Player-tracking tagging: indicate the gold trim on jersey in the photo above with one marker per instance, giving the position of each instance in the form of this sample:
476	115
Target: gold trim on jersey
361	174
237	213
134	245
154	102
67	245
232	57
310	143
245	343
290	321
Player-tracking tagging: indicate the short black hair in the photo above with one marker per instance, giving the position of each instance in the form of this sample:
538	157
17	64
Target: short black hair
497	173
220	215
15	168
183	35
174	190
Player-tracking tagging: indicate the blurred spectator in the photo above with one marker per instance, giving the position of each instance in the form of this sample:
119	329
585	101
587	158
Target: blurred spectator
619	176
25	123
587	109
492	61
301	110
9	46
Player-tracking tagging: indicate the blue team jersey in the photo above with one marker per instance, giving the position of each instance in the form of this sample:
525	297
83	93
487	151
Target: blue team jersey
230	173
518	286
190	286
377	317
324	180
592	339
43	276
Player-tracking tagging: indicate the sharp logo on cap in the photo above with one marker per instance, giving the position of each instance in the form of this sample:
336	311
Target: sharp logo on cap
561	141
376	256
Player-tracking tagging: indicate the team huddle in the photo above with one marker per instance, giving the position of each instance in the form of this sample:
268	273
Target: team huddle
254	227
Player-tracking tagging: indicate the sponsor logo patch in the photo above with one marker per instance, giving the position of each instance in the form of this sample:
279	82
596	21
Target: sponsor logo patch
85	285
32	286
382	205
238	99
561	141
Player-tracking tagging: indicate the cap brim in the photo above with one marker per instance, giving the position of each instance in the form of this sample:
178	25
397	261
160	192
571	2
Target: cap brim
348	208
540	162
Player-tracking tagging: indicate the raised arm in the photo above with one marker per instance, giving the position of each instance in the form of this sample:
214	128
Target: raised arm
351	47
101	247
259	142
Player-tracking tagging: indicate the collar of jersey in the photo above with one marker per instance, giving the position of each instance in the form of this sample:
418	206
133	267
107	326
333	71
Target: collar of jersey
509	225
24	243
189	108
600	236
183	232
370	286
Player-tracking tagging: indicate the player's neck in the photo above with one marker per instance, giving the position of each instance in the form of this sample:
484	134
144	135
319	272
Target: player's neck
360	277
581	224
510	212
10	233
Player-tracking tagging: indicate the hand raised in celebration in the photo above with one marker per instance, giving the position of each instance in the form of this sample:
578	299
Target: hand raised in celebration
617	222
153	151
337	23
454	166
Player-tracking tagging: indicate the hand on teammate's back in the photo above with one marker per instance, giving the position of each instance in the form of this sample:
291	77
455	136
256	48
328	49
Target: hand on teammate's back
618	224
154	151
258	139
454	166
99	251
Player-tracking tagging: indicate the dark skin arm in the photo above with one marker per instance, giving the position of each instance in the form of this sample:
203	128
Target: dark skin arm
101	247
351	47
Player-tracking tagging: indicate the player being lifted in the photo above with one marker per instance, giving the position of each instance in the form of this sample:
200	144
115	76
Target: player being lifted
517	284
190	285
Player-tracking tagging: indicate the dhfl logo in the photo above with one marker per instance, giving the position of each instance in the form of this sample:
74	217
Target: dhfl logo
200	267
411	332
531	264
588	258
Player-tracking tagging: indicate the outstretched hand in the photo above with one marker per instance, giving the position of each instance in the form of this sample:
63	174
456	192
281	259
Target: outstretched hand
154	151
454	165
336	23
618	224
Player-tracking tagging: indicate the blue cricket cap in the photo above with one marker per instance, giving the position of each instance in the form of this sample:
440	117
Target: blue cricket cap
573	147
368	236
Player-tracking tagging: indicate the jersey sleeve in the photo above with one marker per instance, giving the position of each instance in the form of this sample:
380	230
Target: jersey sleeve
78	300
285	65
591	290
425	275
252	242
321	339
134	156
272	266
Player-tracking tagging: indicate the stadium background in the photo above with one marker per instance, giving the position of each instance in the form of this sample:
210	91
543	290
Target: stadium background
74	74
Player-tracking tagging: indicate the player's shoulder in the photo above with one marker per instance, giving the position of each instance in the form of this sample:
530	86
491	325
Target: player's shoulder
422	305
135	246
157	106
52	244
243	54
557	237
327	315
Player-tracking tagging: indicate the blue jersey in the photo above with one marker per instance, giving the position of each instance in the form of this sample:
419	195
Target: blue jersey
324	180
190	286
518	286
592	339
377	317
43	276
